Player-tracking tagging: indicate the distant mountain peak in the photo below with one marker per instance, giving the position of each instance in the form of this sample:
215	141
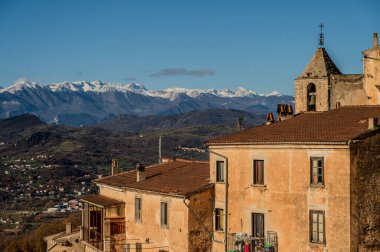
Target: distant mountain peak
136	87
86	102
19	85
273	93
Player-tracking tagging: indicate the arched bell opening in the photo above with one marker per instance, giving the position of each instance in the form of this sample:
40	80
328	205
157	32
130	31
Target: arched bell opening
311	97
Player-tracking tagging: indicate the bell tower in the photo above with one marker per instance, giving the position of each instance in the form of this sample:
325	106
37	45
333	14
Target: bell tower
312	87
371	81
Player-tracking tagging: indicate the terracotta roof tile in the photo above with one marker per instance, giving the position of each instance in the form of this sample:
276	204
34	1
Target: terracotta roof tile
175	177
338	125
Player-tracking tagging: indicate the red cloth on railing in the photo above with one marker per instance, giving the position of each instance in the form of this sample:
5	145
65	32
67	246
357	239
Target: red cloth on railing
246	248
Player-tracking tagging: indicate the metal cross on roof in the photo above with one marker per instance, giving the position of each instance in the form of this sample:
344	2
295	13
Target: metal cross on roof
321	38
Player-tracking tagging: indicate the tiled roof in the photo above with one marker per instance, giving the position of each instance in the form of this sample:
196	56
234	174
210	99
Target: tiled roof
338	125
100	200
179	177
320	66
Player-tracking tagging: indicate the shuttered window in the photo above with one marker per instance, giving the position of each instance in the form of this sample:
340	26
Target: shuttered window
258	225
138	209
258	172
164	214
139	247
219	171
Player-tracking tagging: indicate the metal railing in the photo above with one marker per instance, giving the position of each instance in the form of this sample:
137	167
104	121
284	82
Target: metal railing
237	242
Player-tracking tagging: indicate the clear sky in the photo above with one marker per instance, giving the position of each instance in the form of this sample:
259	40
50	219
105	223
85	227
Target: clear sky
260	45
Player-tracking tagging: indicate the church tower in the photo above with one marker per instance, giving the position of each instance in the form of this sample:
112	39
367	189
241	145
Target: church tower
313	87
371	80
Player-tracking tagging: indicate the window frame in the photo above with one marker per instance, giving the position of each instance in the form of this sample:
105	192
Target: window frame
139	247
164	216
322	169
219	171
138	215
311	231
219	219
311	91
254	226
255	179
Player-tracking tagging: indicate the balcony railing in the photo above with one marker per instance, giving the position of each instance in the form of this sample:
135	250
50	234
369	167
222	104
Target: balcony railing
237	242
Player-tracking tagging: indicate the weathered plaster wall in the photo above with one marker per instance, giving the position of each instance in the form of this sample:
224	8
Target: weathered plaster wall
287	197
174	237
347	89
365	203
203	205
321	85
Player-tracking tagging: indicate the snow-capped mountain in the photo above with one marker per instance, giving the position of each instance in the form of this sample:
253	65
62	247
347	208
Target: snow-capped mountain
84	102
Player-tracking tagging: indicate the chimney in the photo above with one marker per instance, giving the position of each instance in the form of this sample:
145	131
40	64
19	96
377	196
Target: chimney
337	105
140	171
375	40
373	123
115	167
289	109
285	111
270	118
69	228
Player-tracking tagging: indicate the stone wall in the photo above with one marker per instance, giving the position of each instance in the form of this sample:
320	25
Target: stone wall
372	75
347	89
301	93
365	195
202	204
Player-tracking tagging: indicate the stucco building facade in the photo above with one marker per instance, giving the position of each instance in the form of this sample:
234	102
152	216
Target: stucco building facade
298	179
160	208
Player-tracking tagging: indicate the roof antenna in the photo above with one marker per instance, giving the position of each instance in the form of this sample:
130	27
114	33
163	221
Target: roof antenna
159	150
321	39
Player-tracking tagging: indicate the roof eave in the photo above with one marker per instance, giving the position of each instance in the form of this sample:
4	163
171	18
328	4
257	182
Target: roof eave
279	143
172	194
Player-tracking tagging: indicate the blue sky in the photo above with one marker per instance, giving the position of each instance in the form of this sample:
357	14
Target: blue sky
260	45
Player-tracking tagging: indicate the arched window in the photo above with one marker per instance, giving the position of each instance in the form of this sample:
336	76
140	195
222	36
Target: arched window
311	97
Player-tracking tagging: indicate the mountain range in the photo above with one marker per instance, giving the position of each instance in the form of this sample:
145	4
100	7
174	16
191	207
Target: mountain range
93	102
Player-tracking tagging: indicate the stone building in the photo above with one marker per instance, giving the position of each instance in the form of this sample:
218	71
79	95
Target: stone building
164	207
322	87
310	183
67	241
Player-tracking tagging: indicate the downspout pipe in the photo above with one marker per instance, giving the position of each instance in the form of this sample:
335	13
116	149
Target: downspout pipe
200	222
225	196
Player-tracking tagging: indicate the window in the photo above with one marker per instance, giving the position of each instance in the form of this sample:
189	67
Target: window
258	172
219	171
138	209
164	214
138	247
317	226
117	228
127	247
311	97
258	225
219	219
316	171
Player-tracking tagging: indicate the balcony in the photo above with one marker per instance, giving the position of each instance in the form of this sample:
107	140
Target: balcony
237	242
103	224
